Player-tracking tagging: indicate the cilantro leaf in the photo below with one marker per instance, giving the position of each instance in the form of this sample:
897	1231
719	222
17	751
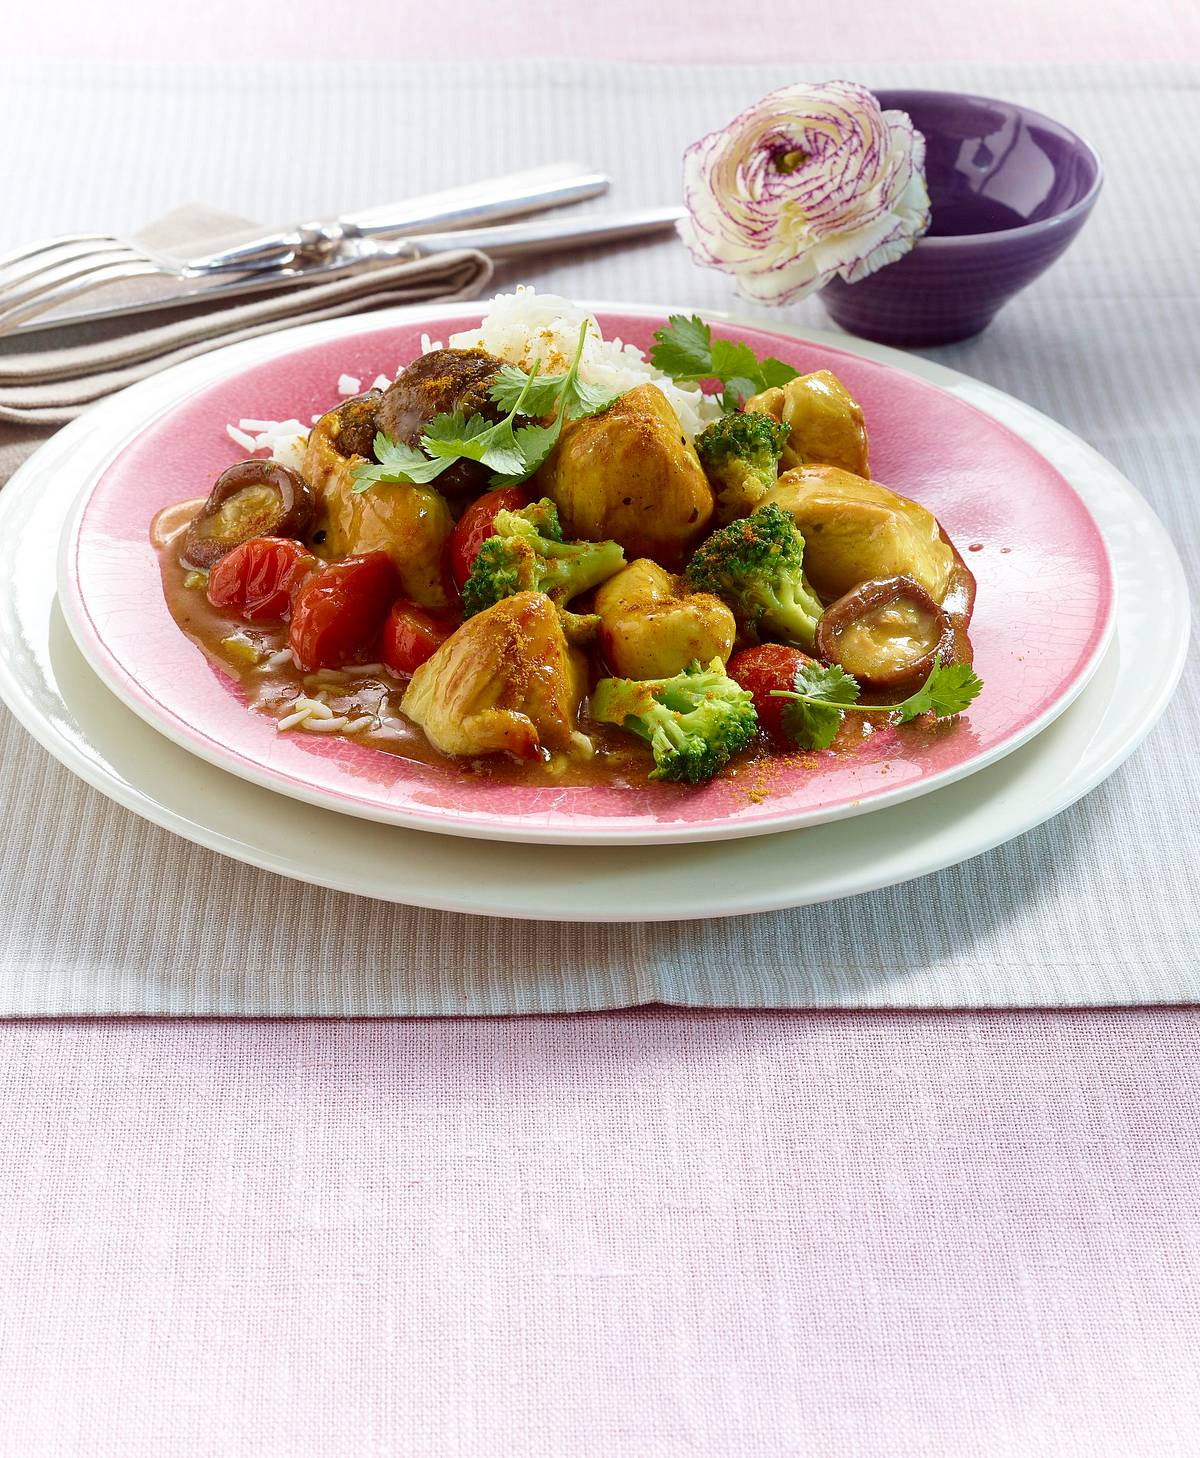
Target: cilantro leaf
732	358
533	443
948	690
686	351
683	349
472	438
811	726
547	392
589	399
396	461
511	454
736	390
512	384
822	693
828	682
775	373
455	426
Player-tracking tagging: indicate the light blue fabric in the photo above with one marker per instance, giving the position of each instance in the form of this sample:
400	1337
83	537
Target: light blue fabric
1098	906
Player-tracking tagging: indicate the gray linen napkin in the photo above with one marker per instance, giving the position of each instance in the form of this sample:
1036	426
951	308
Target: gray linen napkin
48	378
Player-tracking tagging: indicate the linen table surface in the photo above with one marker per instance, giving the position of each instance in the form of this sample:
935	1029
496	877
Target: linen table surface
662	1232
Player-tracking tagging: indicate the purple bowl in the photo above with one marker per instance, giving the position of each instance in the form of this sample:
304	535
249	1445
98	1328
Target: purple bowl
1010	188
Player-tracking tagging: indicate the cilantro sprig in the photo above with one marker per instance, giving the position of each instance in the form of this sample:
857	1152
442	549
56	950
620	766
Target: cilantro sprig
511	452
822	694
686	350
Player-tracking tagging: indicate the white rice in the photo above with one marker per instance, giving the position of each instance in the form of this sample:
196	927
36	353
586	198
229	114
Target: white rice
527	326
520	327
284	440
311	713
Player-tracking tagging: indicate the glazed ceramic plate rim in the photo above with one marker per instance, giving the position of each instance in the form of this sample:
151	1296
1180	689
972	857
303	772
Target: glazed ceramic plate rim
184	382
180	793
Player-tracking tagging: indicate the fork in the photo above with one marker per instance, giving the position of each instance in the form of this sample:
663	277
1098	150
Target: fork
45	276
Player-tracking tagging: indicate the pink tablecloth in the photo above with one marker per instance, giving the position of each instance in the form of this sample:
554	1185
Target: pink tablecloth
621	30
683	1235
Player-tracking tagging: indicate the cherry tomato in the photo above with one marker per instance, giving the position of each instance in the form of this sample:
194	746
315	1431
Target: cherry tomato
256	580
769	666
477	524
337	614
411	635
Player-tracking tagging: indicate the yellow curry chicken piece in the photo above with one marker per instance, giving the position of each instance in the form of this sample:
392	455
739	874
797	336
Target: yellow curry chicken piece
410	523
632	476
507	680
857	530
652	627
825	422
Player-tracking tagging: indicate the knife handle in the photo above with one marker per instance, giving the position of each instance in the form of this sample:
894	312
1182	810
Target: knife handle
516	240
510	196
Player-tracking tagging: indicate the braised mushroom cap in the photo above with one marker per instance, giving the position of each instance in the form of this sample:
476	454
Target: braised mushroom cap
252	499
887	634
435	384
351	427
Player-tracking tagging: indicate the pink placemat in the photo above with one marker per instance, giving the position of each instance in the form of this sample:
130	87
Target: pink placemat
686	1235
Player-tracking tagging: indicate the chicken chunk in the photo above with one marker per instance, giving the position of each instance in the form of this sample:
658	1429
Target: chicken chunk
632	476
435	384
410	523
824	420
505	682
856	530
652	627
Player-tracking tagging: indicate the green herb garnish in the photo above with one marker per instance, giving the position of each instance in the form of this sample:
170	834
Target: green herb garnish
687	352
512	453
822	694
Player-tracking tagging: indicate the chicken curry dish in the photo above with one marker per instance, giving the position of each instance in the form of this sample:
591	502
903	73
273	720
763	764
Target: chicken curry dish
540	556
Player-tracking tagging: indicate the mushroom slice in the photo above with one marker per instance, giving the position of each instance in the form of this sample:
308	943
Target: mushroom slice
251	499
887	634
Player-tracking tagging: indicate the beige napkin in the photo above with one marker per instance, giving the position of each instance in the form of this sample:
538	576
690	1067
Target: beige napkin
49	378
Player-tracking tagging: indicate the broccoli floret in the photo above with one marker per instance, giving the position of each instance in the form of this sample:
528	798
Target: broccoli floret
528	554
694	722
740	454
757	567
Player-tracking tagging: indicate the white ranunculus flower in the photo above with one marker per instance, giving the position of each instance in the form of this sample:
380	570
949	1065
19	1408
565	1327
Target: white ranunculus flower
811	181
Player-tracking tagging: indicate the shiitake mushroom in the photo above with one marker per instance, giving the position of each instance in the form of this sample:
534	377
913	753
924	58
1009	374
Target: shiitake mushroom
252	499
435	384
887	633
351	426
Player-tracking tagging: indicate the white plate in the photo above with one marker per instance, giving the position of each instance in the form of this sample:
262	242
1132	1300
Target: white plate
45	681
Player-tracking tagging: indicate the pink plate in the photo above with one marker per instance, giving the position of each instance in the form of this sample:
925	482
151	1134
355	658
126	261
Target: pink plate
1042	620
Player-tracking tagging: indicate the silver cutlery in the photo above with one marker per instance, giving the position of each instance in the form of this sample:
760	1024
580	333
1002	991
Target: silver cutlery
47	278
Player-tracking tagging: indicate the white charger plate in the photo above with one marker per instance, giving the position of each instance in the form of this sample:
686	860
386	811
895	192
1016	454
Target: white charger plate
48	685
